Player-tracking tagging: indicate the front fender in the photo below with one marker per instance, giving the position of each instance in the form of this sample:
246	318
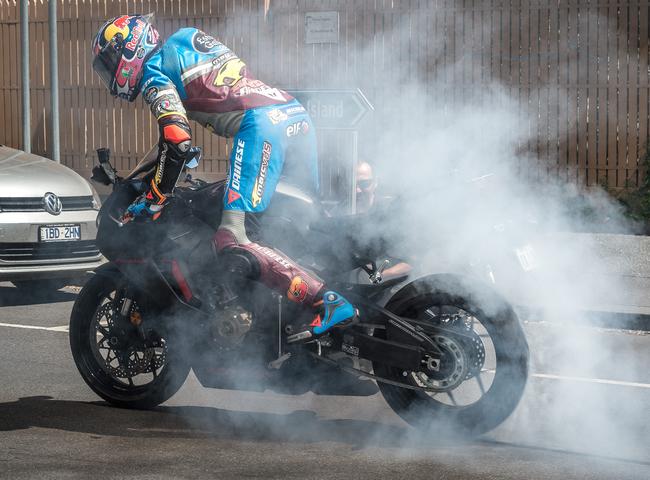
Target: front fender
108	270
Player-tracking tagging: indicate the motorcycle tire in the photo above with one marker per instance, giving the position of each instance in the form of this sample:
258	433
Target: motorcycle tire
167	382
422	411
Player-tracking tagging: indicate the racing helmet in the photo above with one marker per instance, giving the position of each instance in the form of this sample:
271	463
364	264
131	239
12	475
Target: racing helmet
120	50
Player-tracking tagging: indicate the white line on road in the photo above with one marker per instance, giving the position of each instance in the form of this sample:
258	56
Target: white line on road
62	328
591	380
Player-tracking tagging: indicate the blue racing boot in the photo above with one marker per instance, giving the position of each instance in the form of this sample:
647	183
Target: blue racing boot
336	311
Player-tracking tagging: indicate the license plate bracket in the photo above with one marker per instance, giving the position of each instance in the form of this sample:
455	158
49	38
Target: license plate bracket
59	233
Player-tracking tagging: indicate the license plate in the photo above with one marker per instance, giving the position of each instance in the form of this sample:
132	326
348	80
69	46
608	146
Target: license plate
59	233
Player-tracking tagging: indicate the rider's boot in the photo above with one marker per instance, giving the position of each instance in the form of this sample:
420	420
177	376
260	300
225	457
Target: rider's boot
333	311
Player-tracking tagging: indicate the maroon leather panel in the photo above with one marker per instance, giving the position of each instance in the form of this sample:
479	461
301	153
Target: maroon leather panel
277	271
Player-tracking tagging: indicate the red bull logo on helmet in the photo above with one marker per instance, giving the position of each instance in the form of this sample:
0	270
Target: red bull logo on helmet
138	29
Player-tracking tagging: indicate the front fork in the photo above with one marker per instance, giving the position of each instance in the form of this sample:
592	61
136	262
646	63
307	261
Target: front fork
128	316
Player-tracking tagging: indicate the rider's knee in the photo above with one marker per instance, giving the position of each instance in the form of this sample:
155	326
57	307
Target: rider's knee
240	263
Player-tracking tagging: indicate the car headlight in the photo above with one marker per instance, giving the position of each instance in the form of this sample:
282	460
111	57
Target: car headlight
97	202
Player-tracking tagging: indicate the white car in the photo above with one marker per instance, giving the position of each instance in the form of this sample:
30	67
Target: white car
47	222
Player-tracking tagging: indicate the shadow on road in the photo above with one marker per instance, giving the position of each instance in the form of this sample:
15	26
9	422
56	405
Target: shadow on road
207	423
303	427
11	296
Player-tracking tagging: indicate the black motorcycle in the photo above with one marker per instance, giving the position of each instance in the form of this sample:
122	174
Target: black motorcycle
445	351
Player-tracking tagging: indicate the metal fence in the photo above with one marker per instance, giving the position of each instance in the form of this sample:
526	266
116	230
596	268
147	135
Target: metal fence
579	68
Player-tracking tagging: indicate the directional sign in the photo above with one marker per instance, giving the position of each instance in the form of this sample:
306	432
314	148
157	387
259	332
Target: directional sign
334	109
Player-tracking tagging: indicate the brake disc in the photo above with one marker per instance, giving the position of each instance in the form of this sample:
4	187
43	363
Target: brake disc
123	360
476	354
446	373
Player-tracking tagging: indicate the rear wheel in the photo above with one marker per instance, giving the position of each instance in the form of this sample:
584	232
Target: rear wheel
125	365
482	372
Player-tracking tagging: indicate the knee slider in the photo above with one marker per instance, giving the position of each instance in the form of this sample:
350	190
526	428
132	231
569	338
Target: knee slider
239	262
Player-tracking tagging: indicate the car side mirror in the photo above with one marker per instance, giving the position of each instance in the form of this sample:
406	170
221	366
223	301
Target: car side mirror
100	176
109	175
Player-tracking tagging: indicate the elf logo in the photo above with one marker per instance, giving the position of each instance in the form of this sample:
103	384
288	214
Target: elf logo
297	128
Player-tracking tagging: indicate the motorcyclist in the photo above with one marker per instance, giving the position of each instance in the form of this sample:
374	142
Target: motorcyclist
193	76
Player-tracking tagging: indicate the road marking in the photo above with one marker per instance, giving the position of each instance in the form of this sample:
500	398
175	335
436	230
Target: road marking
582	379
62	328
592	380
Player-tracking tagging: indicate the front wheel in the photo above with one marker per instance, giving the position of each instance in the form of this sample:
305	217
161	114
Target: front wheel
482	372
120	363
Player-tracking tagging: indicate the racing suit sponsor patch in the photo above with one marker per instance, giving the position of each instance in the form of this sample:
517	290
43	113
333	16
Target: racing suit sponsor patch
276	116
260	89
235	181
260	182
161	164
297	128
204	43
297	290
168	103
150	94
272	254
232	196
291	111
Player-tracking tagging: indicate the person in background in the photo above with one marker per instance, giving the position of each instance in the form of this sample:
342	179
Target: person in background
366	187
367	200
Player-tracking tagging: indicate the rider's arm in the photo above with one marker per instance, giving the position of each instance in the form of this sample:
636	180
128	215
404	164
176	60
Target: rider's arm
175	138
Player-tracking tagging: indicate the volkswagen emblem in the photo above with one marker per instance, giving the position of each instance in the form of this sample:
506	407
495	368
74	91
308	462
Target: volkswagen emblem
52	204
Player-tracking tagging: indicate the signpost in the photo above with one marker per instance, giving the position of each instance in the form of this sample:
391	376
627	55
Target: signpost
322	27
334	109
338	110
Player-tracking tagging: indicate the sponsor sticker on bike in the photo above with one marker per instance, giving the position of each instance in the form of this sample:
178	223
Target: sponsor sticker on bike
527	258
350	349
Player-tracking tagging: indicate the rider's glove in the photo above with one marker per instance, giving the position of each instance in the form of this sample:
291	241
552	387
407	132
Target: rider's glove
142	207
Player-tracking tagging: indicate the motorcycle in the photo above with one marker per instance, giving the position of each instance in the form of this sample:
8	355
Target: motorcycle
445	350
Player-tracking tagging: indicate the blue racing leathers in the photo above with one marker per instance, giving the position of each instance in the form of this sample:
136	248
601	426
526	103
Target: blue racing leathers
193	76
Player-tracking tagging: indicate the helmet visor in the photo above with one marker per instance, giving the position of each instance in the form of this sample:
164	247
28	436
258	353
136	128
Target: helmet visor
106	62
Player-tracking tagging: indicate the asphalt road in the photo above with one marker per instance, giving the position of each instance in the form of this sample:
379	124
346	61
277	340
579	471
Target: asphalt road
584	415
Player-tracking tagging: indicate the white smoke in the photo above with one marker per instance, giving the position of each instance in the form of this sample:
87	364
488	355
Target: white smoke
428	150
427	140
